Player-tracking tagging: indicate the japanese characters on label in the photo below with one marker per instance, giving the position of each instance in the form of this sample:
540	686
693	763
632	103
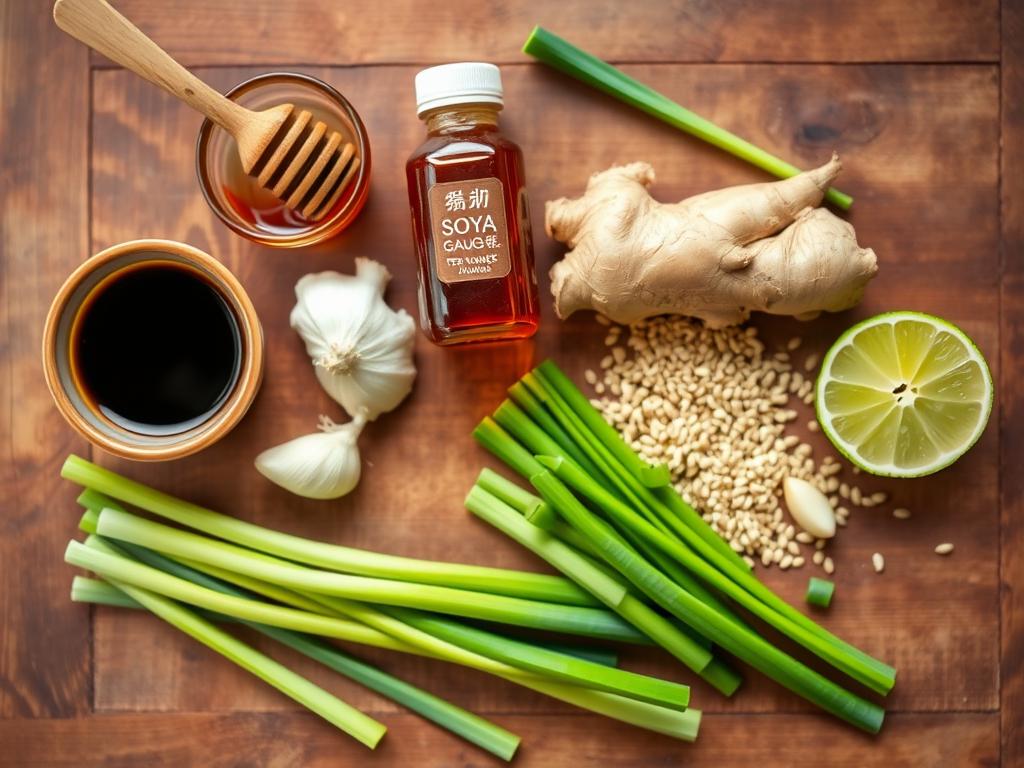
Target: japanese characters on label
470	232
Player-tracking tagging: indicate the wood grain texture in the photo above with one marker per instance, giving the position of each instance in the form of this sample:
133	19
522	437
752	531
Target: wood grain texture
283	740
44	648
1011	427
920	596
921	144
389	31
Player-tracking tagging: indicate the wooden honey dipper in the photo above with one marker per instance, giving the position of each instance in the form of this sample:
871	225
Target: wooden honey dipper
298	159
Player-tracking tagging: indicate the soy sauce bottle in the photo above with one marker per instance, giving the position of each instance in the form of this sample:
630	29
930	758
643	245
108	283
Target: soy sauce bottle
470	217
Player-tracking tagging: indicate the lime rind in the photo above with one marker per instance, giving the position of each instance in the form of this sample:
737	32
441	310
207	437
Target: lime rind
951	382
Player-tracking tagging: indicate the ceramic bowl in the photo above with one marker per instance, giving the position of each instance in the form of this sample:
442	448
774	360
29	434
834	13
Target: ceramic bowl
84	417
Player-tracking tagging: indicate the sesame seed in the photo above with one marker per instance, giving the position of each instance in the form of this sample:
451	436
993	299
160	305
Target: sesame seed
944	549
718	409
878	562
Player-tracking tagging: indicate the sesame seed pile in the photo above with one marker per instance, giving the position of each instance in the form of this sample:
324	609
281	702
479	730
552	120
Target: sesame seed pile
714	406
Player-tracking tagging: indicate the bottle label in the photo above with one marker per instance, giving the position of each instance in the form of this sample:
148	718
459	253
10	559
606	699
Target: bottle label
470	231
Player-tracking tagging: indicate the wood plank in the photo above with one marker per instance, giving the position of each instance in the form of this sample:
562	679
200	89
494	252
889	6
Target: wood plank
44	646
405	31
255	739
1011	345
936	619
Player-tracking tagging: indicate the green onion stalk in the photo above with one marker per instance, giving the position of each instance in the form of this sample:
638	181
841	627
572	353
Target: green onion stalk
607	588
853	665
573	666
500	581
567	58
583	620
737	640
475	729
521	428
670	721
522	501
684	538
119	569
600	435
659	545
666	506
340	714
547	662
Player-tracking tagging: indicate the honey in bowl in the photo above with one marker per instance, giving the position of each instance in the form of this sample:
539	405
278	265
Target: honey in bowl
156	348
253	211
258	207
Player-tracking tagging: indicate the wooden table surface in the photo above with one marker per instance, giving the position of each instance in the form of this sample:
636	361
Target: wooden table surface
924	99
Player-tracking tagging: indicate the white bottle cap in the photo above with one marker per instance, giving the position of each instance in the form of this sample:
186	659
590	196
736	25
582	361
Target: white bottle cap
463	83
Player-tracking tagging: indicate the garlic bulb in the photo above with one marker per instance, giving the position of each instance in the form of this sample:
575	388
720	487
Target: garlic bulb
323	465
361	348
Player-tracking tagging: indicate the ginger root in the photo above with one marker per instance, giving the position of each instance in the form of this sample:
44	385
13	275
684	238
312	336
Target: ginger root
717	256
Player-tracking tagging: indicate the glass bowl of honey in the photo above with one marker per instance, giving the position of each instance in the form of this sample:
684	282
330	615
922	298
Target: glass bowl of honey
249	209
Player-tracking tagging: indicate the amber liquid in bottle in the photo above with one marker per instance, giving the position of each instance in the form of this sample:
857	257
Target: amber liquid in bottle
462	245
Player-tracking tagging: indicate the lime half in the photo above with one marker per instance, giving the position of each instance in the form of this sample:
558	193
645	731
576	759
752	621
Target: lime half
903	394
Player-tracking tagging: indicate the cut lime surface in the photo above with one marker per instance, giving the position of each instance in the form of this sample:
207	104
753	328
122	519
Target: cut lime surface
903	394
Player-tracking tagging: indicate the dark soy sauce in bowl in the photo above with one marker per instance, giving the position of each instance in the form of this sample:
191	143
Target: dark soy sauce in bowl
156	348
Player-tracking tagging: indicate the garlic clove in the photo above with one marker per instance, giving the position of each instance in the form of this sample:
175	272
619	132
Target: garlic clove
809	507
323	465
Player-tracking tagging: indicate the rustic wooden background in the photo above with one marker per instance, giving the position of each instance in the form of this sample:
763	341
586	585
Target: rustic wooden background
924	99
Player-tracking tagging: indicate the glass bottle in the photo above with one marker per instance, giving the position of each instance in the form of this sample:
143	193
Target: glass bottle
470	216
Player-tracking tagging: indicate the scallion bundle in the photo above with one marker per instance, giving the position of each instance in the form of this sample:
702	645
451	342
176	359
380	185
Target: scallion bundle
298	591
614	525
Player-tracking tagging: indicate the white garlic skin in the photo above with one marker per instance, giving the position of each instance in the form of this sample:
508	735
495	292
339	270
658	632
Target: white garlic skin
323	465
809	508
360	347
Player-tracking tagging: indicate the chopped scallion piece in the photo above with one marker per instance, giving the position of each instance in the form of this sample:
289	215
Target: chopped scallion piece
819	592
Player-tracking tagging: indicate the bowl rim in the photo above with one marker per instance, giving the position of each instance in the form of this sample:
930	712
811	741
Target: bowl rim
232	409
323	230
